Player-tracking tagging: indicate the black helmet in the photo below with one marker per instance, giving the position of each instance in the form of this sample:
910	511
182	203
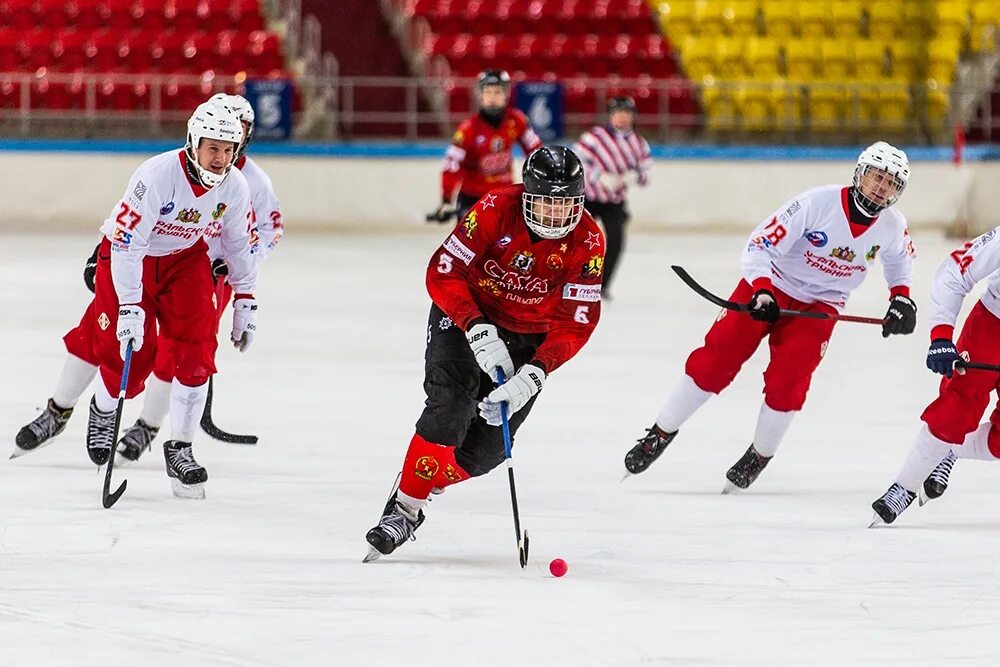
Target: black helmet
553	191
493	77
621	103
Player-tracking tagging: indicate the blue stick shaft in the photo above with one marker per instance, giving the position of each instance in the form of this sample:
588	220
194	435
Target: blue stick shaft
504	421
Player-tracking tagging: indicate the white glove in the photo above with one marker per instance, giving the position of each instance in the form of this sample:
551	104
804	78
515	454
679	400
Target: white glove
490	351
130	327
610	180
516	392
244	322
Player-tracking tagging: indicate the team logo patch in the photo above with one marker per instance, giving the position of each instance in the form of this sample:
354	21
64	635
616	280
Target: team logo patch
103	321
140	191
219	210
845	254
426	467
470	224
554	262
593	268
759	243
870	255
458	137
445	323
523	262
121	237
503	242
167	208
496	144
489	285
818	239
451	474
578	292
459	249
189	215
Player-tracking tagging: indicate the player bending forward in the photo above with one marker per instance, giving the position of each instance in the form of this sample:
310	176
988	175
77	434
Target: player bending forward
516	286
809	256
951	422
153	268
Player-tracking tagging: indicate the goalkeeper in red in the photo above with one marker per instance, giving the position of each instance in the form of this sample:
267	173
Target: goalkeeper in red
516	286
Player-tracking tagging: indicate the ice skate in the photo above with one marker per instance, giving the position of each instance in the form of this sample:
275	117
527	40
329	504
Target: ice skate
100	433
135	442
937	482
398	525
42	429
648	449
187	476
891	505
745	471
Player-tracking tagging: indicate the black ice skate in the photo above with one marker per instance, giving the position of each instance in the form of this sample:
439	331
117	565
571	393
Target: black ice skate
937	482
891	505
398	524
100	433
745	471
648	449
42	429
187	476
135	442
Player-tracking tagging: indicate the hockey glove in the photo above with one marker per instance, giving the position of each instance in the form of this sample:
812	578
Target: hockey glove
219	268
610	180
490	351
131	326
942	357
244	322
90	270
443	214
516	391
901	317
763	307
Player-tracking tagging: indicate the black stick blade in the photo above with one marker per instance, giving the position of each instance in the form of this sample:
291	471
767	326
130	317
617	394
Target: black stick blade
110	499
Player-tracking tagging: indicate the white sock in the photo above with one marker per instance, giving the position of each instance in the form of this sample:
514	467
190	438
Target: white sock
186	406
75	377
926	453
976	445
411	503
105	401
684	401
771	428
156	403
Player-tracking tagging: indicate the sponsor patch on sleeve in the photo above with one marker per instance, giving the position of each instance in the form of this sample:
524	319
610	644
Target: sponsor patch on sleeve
459	249
578	292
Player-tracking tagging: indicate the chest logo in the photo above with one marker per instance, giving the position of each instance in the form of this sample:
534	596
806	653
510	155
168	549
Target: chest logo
870	255
818	239
593	268
554	262
503	242
470	224
496	144
189	215
167	208
845	254
219	210
523	262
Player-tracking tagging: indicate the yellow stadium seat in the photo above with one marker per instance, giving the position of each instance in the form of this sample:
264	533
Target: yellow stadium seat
837	56
752	101
802	59
938	103
814	19
708	17
676	17
906	60
762	57
827	106
698	57
846	18
716	100
918	18
942	57
952	19
729	58
985	30
894	106
885	19
743	18
786	102
779	18
870	59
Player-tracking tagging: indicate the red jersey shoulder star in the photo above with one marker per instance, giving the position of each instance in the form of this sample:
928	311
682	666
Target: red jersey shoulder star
488	201
593	240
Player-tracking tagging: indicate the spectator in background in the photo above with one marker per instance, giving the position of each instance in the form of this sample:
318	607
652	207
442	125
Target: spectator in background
614	156
480	156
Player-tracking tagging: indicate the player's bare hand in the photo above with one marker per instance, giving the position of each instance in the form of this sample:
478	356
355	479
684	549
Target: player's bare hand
516	392
244	322
763	307
490	350
130	327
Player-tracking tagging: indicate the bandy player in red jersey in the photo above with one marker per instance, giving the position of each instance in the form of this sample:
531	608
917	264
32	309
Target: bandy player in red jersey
81	363
517	285
154	260
810	255
480	156
952	427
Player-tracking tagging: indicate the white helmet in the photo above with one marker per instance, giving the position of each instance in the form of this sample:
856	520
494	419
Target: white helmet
241	107
880	177
212	121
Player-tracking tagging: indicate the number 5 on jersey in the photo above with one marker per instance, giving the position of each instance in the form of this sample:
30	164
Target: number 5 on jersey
444	263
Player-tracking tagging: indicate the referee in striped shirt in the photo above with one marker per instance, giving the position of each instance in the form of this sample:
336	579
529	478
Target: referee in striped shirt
614	157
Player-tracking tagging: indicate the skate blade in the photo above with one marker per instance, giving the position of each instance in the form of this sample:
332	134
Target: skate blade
187	491
877	521
922	497
18	453
373	555
731	489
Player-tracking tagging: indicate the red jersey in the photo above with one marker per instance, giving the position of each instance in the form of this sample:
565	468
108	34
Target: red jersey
480	156
492	267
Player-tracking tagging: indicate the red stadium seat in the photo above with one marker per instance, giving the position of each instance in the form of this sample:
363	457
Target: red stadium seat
85	15
265	51
117	15
167	52
69	50
245	15
183	15
53	15
36	48
199	51
19	14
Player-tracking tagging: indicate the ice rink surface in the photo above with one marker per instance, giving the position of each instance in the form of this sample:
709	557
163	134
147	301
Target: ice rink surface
663	570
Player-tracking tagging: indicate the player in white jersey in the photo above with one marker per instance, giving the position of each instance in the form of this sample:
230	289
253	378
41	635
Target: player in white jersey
154	260
809	256
952	427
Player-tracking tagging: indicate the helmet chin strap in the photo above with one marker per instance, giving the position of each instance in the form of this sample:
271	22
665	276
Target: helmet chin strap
864	203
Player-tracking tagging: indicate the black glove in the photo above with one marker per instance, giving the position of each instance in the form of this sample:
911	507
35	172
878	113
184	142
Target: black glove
942	357
444	213
219	268
901	317
764	307
90	269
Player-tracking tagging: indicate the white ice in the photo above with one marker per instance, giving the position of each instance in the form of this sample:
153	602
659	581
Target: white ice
662	568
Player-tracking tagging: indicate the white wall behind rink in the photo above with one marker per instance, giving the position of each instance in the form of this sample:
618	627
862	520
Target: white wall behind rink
76	191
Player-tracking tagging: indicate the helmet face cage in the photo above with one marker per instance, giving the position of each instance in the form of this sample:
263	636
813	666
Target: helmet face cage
552	217
212	121
880	177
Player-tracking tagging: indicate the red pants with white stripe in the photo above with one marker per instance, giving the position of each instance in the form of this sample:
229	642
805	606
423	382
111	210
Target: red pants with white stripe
797	346
962	399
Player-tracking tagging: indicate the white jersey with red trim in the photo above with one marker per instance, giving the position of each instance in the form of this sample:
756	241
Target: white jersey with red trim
977	260
266	212
811	251
163	212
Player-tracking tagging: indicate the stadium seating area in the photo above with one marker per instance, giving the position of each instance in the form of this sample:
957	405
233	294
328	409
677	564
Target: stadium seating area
175	37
